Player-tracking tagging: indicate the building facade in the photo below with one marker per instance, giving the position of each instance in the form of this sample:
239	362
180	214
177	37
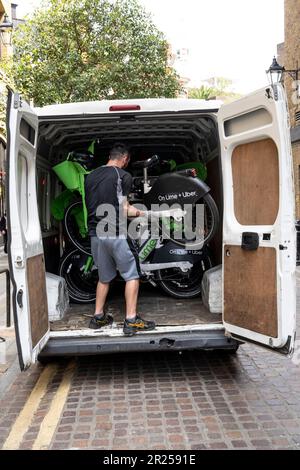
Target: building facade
289	56
6	51
5	9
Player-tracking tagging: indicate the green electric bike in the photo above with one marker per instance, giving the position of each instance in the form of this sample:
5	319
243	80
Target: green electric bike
175	265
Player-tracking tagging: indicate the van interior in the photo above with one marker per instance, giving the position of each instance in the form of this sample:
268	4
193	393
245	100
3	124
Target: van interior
180	136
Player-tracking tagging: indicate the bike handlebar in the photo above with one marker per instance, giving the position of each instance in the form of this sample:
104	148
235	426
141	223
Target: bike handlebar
154	160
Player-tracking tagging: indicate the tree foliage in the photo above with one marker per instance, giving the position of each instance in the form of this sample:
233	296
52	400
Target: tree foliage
5	81
202	93
2	104
222	84
80	50
220	89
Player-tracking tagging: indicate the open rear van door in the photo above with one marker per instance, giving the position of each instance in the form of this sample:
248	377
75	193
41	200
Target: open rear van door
259	239
25	247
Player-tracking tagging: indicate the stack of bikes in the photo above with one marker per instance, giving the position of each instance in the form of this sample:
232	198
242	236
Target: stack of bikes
174	264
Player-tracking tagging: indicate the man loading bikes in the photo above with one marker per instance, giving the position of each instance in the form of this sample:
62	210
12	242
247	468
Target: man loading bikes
110	185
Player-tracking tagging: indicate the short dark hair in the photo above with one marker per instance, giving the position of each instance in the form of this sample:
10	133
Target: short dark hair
118	150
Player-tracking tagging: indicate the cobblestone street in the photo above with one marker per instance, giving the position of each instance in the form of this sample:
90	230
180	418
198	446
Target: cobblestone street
196	400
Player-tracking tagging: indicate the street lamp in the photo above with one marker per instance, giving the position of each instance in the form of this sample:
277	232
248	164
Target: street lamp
277	71
6	28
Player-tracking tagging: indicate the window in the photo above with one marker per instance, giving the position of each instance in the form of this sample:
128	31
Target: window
23	191
27	131
246	122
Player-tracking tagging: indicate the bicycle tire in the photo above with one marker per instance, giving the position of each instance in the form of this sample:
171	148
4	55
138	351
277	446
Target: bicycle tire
82	244
81	291
192	287
209	201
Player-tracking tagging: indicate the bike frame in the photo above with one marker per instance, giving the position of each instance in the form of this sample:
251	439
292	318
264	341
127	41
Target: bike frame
147	248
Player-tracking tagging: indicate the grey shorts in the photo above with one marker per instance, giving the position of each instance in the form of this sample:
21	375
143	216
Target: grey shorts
112	255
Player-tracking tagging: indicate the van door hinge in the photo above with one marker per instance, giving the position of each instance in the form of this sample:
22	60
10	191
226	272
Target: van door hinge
17	101
19	262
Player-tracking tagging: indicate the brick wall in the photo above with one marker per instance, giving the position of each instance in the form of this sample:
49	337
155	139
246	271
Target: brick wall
280	53
292	50
292	61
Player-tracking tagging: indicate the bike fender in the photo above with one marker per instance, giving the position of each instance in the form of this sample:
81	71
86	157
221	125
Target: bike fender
170	252
172	188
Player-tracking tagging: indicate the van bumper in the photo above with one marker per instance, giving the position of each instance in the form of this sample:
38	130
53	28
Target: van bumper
207	340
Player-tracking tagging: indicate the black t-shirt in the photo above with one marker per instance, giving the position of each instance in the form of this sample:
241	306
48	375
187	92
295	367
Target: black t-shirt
101	187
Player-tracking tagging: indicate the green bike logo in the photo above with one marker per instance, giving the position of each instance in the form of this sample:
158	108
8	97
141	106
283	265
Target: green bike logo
150	245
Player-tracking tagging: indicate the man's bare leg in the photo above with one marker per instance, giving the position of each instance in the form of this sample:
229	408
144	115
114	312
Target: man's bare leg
131	297
101	294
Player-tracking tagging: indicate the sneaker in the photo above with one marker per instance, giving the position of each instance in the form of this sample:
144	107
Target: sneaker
131	327
98	321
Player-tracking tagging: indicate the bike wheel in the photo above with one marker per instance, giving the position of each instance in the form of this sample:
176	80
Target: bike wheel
211	223
81	276
73	223
183	286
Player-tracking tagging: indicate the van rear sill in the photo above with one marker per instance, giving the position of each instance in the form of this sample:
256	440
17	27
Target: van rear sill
213	339
118	332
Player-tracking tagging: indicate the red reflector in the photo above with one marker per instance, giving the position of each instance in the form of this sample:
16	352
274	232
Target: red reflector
125	107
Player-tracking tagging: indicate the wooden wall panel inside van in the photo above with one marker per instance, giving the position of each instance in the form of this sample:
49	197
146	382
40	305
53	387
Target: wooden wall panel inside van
255	172
250	289
37	298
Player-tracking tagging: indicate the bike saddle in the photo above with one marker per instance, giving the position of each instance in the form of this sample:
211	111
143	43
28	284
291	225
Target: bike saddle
85	159
154	160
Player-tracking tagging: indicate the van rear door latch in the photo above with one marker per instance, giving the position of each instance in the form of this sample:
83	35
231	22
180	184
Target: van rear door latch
17	101
282	247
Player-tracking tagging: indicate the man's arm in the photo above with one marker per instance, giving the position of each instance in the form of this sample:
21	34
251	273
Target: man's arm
132	211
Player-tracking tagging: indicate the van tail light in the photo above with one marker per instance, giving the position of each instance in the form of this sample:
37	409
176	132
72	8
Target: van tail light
125	107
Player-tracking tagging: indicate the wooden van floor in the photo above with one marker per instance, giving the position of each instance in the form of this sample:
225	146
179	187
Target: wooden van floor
153	305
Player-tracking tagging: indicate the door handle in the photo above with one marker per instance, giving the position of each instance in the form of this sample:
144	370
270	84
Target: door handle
20	298
250	241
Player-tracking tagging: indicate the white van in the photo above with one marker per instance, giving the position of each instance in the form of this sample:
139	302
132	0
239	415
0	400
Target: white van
246	148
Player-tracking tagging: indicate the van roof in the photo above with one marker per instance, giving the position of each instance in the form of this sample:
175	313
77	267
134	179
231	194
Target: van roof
146	105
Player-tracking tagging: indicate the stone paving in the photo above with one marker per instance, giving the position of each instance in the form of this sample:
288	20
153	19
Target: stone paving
197	400
8	349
